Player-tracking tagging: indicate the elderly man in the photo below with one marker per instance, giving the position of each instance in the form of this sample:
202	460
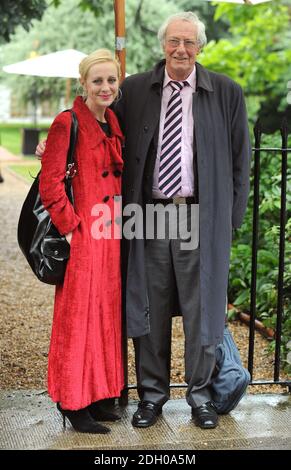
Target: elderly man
187	142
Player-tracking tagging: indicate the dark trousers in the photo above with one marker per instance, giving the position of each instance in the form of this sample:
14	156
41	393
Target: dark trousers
170	270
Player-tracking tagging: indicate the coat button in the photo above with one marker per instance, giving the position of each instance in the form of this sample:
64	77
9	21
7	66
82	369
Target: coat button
146	128
117	173
105	173
137	159
106	198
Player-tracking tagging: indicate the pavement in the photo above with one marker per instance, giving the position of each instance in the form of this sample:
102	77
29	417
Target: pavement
6	156
30	421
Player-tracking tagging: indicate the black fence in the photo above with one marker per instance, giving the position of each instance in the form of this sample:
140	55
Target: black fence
282	153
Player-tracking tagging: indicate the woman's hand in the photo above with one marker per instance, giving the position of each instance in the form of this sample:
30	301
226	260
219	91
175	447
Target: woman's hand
69	237
40	149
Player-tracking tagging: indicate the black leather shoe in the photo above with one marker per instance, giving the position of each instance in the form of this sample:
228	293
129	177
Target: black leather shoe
146	414
205	416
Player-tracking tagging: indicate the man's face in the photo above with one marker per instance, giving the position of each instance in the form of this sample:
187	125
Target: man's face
180	49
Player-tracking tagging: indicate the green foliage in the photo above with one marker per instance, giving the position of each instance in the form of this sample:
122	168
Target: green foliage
45	37
22	13
86	35
97	7
215	28
257	54
268	250
143	48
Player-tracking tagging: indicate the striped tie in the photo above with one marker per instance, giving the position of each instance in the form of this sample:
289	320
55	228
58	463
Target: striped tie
170	161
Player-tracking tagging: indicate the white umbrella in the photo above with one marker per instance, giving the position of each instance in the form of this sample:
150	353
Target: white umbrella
61	64
57	64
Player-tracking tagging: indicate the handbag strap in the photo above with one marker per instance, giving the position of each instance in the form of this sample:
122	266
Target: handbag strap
70	171
73	137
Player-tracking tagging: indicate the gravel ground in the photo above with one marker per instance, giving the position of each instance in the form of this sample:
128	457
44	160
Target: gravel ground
26	314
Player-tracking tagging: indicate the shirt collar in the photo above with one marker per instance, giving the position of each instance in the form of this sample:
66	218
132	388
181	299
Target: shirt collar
191	79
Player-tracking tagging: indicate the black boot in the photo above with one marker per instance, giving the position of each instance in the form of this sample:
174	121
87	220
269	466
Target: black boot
82	421
98	411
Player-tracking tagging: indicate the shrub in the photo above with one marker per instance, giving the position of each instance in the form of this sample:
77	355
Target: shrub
268	251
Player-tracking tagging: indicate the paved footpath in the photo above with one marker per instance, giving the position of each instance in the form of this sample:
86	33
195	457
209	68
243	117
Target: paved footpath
6	156
30	421
26	304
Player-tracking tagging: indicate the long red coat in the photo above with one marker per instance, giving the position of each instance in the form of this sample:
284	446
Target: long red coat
85	357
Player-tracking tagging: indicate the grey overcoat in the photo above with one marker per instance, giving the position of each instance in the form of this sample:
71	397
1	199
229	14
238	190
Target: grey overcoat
222	151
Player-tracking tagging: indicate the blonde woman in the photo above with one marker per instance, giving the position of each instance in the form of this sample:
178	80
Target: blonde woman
85	357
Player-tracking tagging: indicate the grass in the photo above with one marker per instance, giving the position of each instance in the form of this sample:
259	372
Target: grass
28	169
11	136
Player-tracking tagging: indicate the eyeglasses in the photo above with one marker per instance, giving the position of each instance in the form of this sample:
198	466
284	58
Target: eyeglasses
188	43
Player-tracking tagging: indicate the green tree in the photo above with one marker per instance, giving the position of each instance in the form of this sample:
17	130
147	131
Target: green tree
215	28
257	54
22	13
86	32
96	6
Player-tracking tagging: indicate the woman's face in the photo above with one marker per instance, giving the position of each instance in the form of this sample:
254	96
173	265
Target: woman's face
101	85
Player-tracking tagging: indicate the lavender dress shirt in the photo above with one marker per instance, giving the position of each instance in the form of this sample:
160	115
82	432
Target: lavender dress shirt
187	188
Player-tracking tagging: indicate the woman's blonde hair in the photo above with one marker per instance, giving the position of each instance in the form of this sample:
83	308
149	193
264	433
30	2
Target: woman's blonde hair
97	57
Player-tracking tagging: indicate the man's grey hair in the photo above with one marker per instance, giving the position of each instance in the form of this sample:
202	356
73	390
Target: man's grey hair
184	16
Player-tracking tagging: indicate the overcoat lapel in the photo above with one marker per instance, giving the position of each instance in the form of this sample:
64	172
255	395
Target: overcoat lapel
150	121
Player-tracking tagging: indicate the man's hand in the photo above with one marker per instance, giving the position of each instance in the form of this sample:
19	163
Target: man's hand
40	149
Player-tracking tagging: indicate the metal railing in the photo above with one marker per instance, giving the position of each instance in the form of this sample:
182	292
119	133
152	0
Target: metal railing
283	151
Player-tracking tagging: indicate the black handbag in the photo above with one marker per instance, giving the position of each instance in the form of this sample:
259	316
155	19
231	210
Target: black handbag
46	251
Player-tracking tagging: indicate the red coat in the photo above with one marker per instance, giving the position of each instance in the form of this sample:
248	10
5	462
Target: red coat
85	357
